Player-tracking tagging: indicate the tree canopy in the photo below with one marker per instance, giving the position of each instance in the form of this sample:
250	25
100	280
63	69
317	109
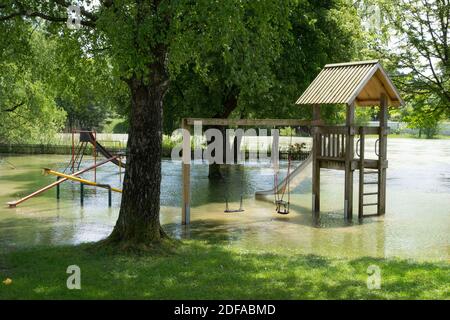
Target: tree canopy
28	110
264	63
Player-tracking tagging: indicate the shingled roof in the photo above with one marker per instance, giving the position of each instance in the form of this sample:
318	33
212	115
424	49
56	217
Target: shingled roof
360	82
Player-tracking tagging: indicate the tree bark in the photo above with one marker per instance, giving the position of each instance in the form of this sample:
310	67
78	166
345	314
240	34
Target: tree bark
215	171
138	225
138	221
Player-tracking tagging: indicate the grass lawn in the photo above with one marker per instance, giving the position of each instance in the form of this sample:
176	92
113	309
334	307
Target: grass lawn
198	270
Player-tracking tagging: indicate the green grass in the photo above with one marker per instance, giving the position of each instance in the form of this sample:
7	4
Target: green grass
198	270
115	125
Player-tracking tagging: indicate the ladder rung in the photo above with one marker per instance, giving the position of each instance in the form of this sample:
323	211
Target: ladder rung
370	204
371	215
370	194
371	182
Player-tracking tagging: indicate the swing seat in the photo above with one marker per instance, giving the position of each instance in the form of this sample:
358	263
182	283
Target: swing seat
228	210
282	207
234	211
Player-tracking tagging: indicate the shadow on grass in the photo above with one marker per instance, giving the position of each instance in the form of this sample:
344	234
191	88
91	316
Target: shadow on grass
196	270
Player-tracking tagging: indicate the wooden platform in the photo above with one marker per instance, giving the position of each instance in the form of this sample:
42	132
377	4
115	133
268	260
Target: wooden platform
339	163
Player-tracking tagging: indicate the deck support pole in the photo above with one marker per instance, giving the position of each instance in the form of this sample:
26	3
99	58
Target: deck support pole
58	191
186	171
362	142
349	154
383	117
316	165
109	196
81	194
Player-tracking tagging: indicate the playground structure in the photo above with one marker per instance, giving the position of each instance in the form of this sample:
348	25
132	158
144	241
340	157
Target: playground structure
362	84
187	124
78	151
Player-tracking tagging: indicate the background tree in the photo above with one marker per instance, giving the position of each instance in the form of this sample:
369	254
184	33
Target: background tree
262	69
28	112
419	49
422	32
411	39
421	115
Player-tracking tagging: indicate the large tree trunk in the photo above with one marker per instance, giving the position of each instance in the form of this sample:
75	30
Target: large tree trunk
138	221
138	224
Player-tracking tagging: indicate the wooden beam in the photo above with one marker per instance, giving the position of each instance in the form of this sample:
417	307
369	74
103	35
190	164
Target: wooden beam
383	116
332	164
317	146
252	122
349	154
333	129
370	164
325	158
374	103
362	141
186	172
316	112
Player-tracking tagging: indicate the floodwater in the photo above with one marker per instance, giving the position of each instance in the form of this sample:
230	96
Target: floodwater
416	225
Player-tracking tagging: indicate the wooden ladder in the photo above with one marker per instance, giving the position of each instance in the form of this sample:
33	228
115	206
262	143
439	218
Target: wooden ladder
363	193
362	181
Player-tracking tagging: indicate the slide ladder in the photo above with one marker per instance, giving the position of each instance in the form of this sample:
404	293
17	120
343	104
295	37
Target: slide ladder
77	157
101	149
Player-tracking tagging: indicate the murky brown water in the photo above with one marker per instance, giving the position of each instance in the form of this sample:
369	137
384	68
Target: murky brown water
416	225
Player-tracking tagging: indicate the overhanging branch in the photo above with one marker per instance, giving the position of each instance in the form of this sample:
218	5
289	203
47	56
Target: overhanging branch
23	12
13	108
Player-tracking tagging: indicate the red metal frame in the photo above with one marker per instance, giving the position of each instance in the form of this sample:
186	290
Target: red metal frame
94	152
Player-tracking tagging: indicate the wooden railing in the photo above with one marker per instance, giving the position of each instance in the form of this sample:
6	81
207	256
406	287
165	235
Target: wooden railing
332	142
332	145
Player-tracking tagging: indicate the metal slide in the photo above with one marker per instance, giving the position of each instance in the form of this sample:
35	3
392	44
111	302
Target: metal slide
295	178
104	152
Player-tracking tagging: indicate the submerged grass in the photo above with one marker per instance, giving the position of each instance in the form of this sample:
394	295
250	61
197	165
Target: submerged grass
198	270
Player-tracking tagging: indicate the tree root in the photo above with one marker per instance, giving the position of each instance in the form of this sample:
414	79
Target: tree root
117	244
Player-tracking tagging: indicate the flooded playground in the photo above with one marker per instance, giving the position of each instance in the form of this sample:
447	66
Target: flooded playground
416	224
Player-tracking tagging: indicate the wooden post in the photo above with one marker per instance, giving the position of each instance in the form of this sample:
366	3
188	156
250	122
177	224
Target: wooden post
383	116
348	193
362	142
316	166
186	170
